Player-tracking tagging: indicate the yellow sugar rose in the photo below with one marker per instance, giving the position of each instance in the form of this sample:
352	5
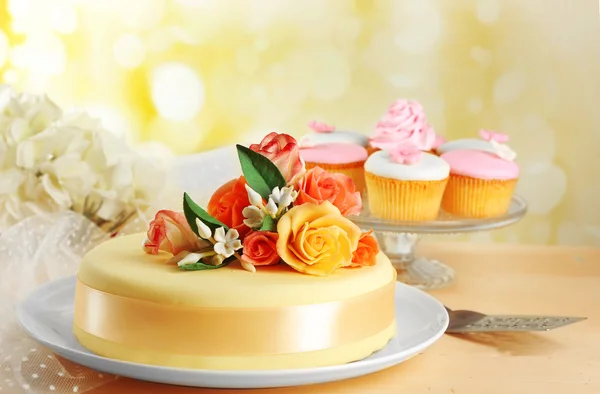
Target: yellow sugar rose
316	239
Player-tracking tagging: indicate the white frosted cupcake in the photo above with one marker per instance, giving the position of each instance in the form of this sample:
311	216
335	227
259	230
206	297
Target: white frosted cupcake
405	184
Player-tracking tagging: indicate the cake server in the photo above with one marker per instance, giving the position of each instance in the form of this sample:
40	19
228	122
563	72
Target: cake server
462	321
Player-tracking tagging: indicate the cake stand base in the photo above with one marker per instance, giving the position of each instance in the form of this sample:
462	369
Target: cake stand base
420	272
424	274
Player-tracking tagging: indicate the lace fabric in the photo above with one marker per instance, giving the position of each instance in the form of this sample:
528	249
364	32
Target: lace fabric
49	247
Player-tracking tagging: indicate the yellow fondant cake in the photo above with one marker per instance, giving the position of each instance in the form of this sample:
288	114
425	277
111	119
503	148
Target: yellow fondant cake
154	292
272	275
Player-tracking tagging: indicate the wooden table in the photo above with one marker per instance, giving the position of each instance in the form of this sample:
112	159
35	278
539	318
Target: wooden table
495	279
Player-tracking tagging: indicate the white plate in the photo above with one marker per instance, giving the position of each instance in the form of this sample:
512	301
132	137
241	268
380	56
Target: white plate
47	316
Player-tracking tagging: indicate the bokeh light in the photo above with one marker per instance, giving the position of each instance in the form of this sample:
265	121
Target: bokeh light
192	75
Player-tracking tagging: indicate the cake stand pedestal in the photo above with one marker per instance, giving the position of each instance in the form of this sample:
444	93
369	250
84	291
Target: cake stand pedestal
398	240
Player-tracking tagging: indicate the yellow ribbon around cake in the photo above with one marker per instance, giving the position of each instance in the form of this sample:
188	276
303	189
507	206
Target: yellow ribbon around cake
232	331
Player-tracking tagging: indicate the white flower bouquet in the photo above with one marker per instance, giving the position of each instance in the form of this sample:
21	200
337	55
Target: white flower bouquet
66	184
52	162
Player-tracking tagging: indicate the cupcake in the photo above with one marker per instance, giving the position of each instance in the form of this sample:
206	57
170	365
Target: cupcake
439	141
481	183
483	143
403	122
344	158
405	183
327	134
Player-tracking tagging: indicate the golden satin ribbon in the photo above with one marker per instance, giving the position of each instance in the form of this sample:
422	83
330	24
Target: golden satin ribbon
181	329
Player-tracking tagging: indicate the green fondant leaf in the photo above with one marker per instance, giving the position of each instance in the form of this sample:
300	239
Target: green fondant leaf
193	211
260	173
199	266
268	224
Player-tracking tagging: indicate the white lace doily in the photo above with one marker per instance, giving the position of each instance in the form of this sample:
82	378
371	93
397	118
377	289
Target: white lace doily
44	248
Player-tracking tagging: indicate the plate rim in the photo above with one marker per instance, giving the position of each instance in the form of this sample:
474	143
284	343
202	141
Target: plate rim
372	364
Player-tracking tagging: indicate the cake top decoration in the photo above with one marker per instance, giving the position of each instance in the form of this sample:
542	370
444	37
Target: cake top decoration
404	121
498	146
320	127
503	151
283	151
275	212
405	153
488	135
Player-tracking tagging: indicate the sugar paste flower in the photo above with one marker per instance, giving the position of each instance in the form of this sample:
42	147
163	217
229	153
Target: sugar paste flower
227	243
279	200
488	135
320	127
503	151
405	154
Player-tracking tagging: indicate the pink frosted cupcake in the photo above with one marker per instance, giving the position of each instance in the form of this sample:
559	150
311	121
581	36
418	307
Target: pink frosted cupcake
348	159
324	133
481	182
403	123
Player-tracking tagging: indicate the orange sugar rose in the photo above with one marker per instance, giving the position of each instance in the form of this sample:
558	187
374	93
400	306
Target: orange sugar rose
227	204
318	185
366	252
260	248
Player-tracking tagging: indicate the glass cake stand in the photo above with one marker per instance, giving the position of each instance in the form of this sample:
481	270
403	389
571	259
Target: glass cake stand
398	240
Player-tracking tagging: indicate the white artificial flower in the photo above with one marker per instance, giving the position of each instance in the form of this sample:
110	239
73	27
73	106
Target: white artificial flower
215	260
186	257
247	265
254	198
279	199
227	243
50	161
254	216
203	229
271	208
503	151
284	197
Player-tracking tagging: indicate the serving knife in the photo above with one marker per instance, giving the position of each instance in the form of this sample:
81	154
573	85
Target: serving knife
462	321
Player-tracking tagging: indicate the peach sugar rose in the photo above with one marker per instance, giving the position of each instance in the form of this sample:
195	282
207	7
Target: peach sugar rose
283	151
170	232
227	204
318	185
316	239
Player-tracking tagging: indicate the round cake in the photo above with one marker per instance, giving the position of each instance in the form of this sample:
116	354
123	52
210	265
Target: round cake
132	306
272	275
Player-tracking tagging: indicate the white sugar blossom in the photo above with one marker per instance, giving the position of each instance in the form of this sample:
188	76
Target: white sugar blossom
203	229
271	208
278	201
503	151
254	216
51	161
227	243
254	198
284	197
186	258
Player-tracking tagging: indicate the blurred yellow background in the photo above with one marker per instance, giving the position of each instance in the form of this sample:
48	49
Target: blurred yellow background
197	74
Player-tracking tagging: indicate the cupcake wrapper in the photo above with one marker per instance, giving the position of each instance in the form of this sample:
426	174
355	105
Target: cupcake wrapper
404	200
477	198
354	170
371	149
